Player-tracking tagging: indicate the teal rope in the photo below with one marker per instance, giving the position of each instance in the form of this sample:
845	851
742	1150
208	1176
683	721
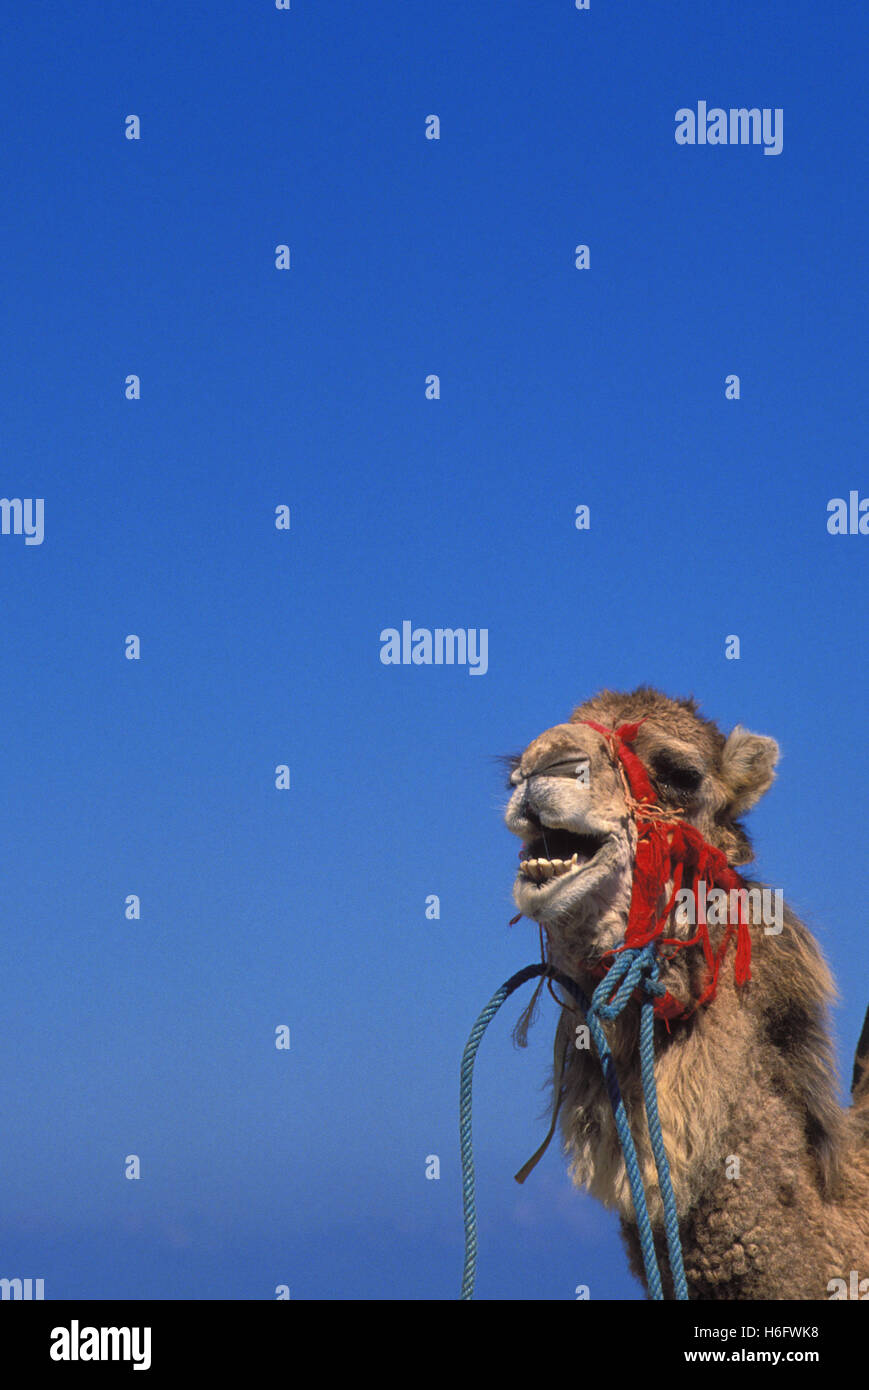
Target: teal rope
640	969
635	969
467	1078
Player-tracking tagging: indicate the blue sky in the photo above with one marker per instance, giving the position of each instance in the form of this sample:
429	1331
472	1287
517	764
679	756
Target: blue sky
559	387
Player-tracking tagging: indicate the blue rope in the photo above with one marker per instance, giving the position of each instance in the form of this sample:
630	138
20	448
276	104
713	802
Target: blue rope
640	969
635	969
467	1079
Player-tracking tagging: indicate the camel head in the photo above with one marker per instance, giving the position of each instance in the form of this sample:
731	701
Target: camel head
570	808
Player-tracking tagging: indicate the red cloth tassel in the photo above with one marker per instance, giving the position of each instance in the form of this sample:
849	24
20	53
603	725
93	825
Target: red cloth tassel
673	850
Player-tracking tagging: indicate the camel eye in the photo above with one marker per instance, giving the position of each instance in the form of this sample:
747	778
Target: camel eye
678	777
577	766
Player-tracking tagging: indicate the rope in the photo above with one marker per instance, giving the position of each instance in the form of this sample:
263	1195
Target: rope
632	969
640	969
467	1078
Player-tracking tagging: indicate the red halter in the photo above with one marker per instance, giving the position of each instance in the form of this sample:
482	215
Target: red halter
669	849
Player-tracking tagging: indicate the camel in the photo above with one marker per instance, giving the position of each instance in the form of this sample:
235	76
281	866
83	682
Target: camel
770	1172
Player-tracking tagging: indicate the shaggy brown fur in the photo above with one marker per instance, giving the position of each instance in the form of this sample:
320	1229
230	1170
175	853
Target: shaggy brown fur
771	1175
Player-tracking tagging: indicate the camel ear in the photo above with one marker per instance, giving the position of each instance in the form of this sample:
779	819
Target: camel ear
747	767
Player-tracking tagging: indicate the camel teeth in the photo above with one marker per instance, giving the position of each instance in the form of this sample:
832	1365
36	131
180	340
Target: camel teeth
543	870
